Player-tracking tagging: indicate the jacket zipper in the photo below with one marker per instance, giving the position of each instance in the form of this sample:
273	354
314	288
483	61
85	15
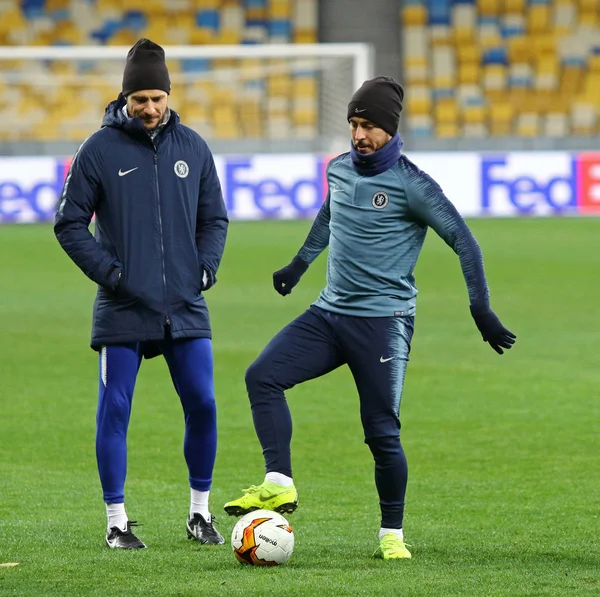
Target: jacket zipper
160	227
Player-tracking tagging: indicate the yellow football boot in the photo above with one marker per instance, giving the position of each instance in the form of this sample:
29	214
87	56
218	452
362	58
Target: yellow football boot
266	496
391	547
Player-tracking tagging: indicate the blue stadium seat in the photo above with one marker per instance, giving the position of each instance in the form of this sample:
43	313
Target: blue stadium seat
496	55
208	19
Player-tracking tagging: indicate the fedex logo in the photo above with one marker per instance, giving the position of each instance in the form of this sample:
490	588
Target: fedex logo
30	188
273	186
540	184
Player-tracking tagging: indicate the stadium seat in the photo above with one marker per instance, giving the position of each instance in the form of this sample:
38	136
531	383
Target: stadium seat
532	62
292	94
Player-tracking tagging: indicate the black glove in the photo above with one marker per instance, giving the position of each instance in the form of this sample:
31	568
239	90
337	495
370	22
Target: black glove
285	279
493	332
208	279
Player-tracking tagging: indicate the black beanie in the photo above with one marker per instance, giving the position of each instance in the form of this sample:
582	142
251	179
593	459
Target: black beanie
146	68
380	101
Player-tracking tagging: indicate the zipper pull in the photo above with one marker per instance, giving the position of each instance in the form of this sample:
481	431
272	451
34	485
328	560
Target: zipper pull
168	320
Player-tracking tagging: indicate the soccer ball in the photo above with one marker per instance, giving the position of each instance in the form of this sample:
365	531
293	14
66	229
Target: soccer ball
262	538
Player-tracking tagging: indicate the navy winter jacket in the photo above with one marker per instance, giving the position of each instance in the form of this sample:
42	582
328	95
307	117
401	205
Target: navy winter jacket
160	223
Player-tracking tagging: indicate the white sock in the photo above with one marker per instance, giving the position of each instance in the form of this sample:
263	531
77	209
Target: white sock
117	516
383	531
279	479
199	503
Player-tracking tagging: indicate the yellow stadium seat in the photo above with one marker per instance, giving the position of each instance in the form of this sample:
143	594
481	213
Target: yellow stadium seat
48	132
501	118
463	35
185	20
414	15
279	85
154	8
501	129
206	4
446	111
228	36
519	49
544	43
547	65
51	5
419	103
588	19
224	115
440	35
475	114
489	37
281	9
226	132
103	5
256	13
447	130
134	5
304	116
468	73
539	18
571	78
469	53
591	85
594	63
514	6
304	87
306	36
202	36
528	124
47	39
123	37
488	7
13	19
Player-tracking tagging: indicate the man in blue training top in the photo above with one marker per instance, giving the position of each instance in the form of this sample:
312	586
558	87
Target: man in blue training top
161	226
374	219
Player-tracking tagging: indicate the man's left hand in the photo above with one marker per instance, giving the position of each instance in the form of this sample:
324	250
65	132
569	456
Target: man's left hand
208	279
492	330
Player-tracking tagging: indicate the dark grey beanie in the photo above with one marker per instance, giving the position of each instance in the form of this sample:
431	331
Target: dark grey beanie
146	68
380	101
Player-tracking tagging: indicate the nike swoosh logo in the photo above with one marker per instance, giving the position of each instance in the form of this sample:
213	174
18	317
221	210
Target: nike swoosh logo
382	360
121	173
359	111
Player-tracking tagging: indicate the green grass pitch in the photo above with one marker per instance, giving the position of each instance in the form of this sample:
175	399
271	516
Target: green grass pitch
504	452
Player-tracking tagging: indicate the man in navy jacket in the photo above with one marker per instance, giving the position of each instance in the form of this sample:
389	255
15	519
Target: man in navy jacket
160	232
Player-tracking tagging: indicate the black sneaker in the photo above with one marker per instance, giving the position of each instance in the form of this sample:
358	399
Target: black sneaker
118	539
203	531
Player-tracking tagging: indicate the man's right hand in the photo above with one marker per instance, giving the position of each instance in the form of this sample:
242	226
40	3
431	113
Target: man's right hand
286	278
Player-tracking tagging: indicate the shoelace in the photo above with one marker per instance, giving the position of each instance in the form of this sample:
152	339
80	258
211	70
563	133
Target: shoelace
128	531
209	522
132	523
252	489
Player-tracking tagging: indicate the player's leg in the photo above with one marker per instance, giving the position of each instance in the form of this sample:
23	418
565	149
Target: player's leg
118	369
190	363
378	350
303	350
